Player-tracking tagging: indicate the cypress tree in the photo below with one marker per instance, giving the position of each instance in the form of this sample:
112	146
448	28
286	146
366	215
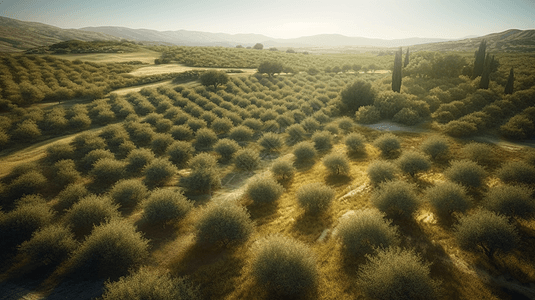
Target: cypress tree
510	83
396	74
485	75
406	62
479	62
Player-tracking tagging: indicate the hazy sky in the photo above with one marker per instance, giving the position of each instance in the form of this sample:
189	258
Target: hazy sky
387	19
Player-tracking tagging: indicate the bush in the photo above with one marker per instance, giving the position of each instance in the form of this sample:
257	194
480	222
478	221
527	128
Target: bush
388	144
49	246
27	130
304	152
345	123
87	142
322	140
284	267
18	225
310	124
158	172
480	153
201	180
65	173
146	284
397	274
466	172
282	170
368	115
458	128
180	152
181	132
247	159
165	205
223	223
365	231
87	162
254	124
128	192
56	152
137	159
396	198
406	116
28	183
380	171
487	232
435	146
226	148
264	190
511	201
271	141
516	172
296	132
336	163
90	211
315	198
107	171
205	138
70	195
110	251
355	143
222	125
160	143
448	197
332	129
412	162
241	133
202	161
359	93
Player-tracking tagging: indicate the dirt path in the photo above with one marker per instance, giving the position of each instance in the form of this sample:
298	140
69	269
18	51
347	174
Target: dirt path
177	68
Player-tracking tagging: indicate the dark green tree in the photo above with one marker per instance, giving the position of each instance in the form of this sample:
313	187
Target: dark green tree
406	62
270	67
479	62
214	78
396	74
258	46
358	94
487	69
510	83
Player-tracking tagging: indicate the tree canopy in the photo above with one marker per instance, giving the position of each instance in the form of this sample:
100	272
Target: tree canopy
214	78
270	67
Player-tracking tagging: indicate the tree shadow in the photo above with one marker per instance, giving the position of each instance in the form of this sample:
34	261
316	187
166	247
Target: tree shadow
312	225
337	180
261	210
303	166
358	156
158	234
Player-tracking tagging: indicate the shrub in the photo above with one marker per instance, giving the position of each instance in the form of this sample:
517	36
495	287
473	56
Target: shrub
511	201
226	148
322	140
180	152
315	198
70	195
365	231
487	232
201	180
181	132
254	124
264	190
87	162
87	142
310	124
165	205
336	163
388	144
355	143
466	172
128	192
304	152
457	128
56	152
368	115
396	198
412	162
397	274
355	95
435	146
406	116
271	141
31	182
107	171
345	123
282	169
111	250
480	153
137	159
27	130
247	159
380	171
65	173
241	133
284	267
448	197
223	223
222	125
202	161
90	211
160	143
18	225
515	172
205	138
49	246
158	172
146	284
296	132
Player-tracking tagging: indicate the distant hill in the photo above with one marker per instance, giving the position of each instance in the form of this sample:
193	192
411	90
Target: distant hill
512	40
18	35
